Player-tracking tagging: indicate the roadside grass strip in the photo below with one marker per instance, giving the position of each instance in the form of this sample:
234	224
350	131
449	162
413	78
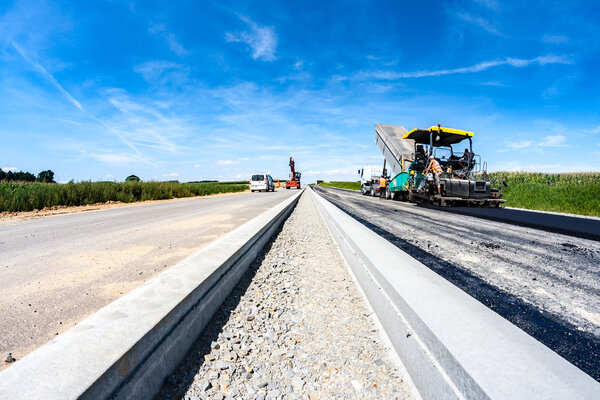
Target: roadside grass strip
15	197
343	185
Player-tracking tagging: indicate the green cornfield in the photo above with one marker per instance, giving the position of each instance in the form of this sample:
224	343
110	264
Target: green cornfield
574	193
343	185
36	196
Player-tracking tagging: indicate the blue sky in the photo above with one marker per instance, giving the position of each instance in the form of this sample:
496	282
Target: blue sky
193	90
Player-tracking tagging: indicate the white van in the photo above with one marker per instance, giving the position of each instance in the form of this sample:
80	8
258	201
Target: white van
262	182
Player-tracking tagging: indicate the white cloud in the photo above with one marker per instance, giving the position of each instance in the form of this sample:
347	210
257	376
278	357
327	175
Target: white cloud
117	159
555	39
554	141
593	130
491	4
485	65
197	165
10	169
523	144
261	39
170	38
231	162
483	23
171	175
47	75
151	70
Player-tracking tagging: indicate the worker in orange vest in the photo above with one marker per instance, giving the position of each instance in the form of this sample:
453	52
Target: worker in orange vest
436	169
382	186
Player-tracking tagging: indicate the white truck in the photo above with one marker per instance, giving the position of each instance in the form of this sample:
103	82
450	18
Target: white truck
369	179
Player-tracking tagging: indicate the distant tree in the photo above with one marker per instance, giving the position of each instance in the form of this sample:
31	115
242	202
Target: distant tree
2	174
46	176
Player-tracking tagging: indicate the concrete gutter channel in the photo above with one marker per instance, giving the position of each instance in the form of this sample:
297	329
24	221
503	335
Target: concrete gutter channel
452	346
129	347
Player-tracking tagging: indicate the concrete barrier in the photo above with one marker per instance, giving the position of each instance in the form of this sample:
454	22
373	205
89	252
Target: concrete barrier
452	346
128	348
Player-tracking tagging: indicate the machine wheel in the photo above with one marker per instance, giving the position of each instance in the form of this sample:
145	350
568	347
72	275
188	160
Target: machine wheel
298	187
287	187
393	195
373	192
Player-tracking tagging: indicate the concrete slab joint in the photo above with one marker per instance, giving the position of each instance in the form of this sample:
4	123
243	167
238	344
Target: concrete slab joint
453	347
129	347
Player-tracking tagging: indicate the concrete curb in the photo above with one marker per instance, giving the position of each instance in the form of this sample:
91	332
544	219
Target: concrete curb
452	346
128	348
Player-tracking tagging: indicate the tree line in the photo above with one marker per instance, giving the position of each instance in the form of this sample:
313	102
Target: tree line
46	176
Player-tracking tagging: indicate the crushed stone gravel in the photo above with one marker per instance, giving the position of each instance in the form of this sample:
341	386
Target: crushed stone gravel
296	327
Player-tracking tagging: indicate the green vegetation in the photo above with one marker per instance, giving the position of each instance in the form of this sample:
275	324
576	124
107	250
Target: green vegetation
20	176
576	193
343	185
36	196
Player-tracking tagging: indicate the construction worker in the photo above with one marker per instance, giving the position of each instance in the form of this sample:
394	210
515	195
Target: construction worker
436	170
382	186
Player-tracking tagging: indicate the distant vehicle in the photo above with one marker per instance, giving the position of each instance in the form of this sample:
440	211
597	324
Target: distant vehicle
294	176
369	179
260	182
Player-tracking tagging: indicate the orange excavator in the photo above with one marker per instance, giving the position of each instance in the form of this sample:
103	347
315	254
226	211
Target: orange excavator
294	176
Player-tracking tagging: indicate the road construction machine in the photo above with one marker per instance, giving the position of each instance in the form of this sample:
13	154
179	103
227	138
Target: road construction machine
407	155
294	176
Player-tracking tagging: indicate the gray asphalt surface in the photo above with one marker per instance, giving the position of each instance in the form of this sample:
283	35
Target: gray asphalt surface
546	283
57	270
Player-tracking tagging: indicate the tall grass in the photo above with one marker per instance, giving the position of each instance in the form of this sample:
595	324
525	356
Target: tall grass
343	185
574	193
36	196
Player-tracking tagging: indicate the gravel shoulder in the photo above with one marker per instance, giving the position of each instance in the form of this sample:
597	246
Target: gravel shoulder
297	326
545	283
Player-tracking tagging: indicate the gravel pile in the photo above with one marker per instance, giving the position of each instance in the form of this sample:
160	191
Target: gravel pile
296	327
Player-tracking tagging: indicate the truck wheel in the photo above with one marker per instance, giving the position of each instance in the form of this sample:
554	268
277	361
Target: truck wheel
393	195
363	191
373	192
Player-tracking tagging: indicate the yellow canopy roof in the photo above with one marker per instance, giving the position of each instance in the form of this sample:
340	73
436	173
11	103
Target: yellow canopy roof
441	136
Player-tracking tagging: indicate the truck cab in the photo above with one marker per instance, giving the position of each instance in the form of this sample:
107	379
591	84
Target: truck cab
369	179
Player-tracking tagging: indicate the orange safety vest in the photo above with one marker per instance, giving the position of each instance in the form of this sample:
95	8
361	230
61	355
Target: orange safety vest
382	182
435	166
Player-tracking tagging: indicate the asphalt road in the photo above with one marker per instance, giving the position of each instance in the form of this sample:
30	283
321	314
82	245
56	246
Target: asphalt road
57	270
546	283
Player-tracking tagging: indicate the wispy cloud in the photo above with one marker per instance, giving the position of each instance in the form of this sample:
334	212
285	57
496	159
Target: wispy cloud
10	169
47	75
481	22
168	37
231	162
483	66
554	141
262	40
522	144
555	39
491	4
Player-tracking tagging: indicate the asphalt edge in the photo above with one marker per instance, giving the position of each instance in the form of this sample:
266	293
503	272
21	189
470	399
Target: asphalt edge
128	348
452	346
580	226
